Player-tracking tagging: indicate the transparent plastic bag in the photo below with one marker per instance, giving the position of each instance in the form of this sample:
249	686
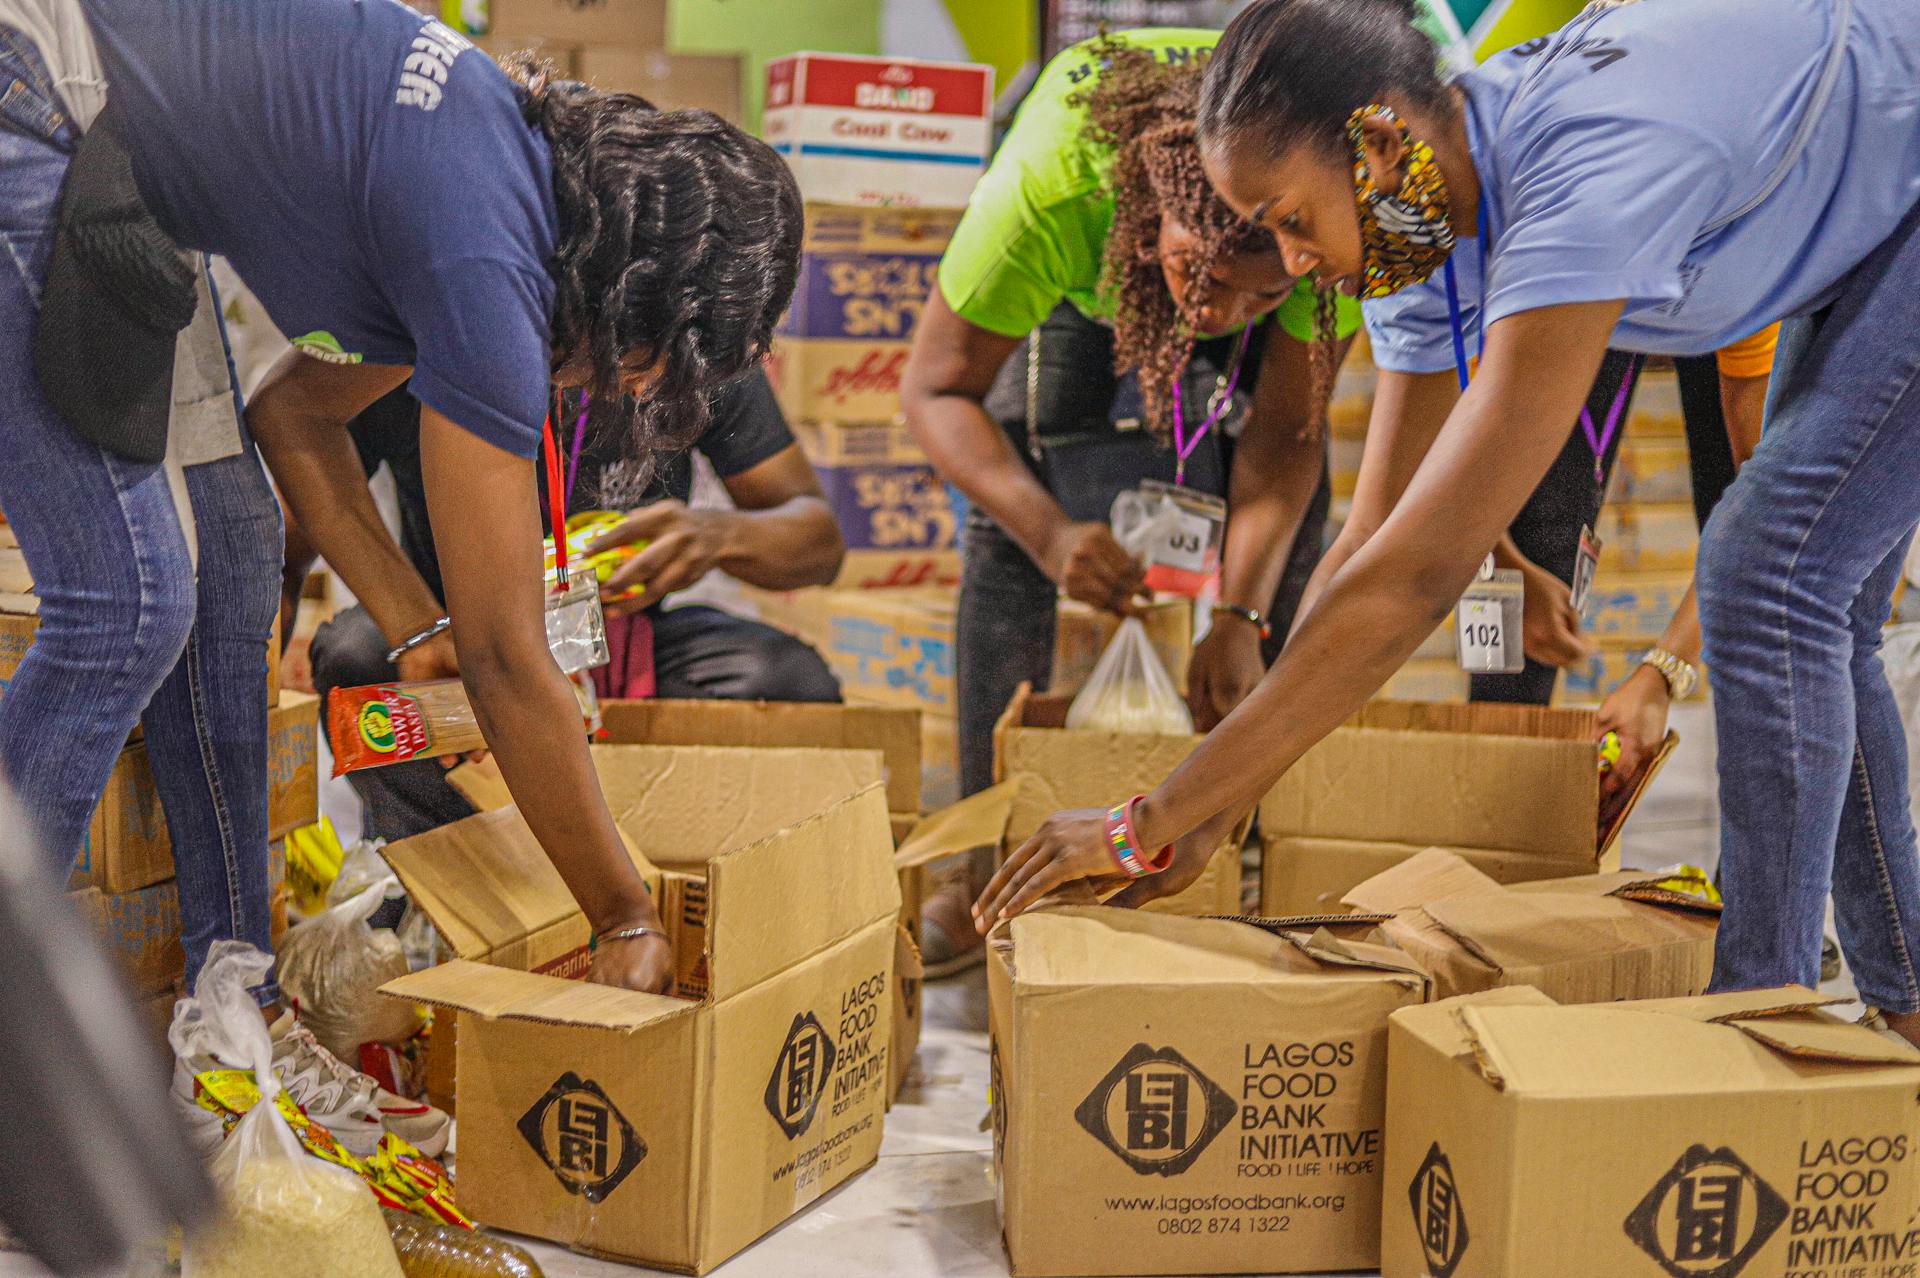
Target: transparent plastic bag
1129	690
283	1213
333	965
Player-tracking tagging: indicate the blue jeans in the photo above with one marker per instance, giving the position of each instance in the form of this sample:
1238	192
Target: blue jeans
1796	576
127	634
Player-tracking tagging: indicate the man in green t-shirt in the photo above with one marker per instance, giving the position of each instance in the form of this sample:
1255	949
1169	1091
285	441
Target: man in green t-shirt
1094	279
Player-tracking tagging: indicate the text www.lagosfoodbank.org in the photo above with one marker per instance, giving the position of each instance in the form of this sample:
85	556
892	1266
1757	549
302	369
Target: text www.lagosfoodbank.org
1181	1205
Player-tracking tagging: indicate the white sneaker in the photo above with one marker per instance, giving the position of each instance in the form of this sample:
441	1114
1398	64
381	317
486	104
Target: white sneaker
346	1102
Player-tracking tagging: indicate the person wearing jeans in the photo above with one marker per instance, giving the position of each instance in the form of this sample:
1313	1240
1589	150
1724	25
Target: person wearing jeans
129	633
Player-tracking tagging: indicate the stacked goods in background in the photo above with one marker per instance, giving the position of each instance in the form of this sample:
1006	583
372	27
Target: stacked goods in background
886	152
667	1131
617	45
1744	1133
1649	542
1512	790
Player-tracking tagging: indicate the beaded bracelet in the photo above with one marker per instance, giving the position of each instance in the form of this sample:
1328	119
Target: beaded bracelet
1125	848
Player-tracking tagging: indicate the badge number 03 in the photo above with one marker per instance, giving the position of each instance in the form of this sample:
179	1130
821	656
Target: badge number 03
1488	623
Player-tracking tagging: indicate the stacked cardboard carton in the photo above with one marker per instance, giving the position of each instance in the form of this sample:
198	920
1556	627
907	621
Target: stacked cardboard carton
617	45
886	152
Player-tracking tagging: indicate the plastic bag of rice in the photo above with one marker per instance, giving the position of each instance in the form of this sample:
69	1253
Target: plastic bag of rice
284	1214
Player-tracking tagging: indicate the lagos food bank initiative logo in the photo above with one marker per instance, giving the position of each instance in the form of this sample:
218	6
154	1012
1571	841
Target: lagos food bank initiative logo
1707	1217
324	346
582	1137
800	1075
1156	1111
1437	1215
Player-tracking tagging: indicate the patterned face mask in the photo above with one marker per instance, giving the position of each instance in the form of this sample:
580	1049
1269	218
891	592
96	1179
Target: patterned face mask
1404	237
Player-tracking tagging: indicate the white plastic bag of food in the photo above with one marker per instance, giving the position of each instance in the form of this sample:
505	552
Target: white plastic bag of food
1130	690
284	1214
333	965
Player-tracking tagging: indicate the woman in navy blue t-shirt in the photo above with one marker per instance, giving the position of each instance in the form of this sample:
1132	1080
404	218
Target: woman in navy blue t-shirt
406	212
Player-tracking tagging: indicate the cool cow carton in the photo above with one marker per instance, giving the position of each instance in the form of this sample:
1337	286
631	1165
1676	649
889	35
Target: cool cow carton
1060	768
1189	1096
673	1132
1514	790
1740	1136
880	131
1594	938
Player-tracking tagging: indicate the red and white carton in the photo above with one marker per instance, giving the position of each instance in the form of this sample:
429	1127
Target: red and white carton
881	131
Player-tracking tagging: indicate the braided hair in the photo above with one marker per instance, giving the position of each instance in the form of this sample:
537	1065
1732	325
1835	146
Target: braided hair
1143	110
679	239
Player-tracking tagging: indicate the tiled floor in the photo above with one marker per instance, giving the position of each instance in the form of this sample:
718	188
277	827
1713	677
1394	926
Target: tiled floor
927	1208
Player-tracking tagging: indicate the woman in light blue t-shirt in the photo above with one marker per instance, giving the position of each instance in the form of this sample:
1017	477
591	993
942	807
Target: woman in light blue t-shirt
1667	177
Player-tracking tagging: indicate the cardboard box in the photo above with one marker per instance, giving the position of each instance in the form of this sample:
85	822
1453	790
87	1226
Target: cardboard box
1748	1134
565	57
1082	633
883	491
1189	1096
1429	679
672	1133
1059	768
837	379
893	647
638	24
141	931
894	732
881	131
1634	607
939	760
1591	939
1656	412
899	570
1514	789
1645	537
866	273
1651	469
671	81
128	846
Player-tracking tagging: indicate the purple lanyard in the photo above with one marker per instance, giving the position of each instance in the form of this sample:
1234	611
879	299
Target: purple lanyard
1600	439
1222	400
579	438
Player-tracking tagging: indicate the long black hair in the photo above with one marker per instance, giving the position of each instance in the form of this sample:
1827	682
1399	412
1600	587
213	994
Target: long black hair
679	239
1288	72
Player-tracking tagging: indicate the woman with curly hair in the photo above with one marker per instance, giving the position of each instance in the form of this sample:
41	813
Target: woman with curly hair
1094	278
408	212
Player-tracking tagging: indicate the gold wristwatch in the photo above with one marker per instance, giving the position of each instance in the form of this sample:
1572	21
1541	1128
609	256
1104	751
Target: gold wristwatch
1679	673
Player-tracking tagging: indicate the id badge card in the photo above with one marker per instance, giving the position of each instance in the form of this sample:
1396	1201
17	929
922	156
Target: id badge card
1488	622
576	628
1585	565
1177	533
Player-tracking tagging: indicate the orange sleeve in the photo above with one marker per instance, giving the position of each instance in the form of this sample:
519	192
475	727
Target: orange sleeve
1751	356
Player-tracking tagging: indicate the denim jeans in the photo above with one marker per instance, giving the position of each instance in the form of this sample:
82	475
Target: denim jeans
127	634
1797	569
699	654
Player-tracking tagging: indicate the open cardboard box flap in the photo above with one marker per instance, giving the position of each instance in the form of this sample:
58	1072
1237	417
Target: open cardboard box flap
1076	947
486	883
500	993
1432	875
1630	885
977	821
1721	1043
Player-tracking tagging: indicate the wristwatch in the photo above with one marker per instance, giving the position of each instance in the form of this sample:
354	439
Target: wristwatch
1679	673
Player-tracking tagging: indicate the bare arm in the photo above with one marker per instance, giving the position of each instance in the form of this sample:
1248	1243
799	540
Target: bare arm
486	522
780	536
1743	400
942	395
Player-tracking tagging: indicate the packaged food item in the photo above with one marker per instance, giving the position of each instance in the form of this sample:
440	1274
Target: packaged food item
384	723
332	967
284	1213
582	529
428	1250
314	857
1129	690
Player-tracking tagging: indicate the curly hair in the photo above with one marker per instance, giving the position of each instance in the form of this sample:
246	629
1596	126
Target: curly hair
1143	109
679	240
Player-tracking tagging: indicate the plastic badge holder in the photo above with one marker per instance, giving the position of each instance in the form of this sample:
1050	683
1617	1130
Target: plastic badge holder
1175	531
1489	622
576	628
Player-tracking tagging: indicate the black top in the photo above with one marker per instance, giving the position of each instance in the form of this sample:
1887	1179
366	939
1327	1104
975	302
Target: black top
746	429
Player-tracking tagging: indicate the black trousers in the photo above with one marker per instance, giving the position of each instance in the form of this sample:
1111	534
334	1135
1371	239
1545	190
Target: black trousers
1547	530
698	653
1090	453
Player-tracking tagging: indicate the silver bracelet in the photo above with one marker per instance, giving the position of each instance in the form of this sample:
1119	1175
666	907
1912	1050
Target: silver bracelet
630	934
417	638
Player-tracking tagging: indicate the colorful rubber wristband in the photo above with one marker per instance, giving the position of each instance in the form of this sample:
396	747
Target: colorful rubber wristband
1125	847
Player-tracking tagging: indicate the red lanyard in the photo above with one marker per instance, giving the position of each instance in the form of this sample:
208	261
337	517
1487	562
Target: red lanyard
559	482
